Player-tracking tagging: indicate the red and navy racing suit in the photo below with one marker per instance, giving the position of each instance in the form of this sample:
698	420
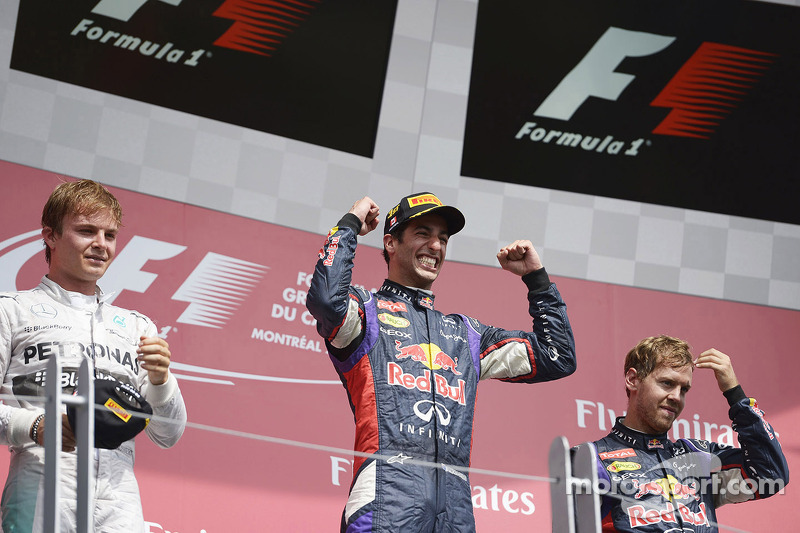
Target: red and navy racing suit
654	484
411	375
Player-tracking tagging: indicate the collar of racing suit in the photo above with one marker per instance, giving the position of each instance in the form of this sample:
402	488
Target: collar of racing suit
70	298
637	439
417	297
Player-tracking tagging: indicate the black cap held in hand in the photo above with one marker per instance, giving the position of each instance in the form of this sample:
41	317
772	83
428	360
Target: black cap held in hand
113	421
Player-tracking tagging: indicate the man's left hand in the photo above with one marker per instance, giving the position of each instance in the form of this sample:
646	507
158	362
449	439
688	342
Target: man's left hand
519	258
722	367
154	356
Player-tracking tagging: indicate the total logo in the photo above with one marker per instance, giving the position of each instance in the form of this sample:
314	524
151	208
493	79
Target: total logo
395	307
617	454
214	289
258	27
705	90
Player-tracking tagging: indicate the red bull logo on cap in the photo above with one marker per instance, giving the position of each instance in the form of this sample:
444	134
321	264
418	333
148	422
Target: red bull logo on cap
430	355
668	488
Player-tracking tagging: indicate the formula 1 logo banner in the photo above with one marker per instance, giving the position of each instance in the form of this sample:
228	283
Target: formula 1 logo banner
311	70
690	104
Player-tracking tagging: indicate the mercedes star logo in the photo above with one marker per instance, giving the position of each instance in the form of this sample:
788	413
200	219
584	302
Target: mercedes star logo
44	311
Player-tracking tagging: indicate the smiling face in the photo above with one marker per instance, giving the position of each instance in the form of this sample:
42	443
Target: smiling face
416	255
81	253
657	399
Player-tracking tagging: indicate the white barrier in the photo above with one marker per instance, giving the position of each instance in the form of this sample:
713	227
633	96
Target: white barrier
575	502
83	400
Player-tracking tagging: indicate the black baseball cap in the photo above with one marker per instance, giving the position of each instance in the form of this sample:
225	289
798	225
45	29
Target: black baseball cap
423	203
113	421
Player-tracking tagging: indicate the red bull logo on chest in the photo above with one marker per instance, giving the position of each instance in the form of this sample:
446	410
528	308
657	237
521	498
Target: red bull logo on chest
640	516
668	487
430	355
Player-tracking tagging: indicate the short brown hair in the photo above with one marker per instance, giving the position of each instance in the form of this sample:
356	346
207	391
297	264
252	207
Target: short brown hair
654	351
84	197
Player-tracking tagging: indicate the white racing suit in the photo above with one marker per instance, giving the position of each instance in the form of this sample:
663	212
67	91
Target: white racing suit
48	321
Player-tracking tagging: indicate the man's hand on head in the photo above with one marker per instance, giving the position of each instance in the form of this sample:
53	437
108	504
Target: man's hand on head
519	257
368	212
722	367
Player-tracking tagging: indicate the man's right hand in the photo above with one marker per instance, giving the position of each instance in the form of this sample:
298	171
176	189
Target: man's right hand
519	257
67	435
368	212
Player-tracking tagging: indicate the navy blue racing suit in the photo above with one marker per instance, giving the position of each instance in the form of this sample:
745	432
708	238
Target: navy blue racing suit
411	375
653	484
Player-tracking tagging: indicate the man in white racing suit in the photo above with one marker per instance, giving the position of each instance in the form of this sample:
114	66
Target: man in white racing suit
67	316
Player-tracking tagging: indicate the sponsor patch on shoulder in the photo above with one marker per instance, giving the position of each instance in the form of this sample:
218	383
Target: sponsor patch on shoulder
619	466
396	307
394	321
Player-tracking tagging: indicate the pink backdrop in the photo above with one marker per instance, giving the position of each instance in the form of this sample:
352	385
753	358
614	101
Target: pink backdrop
239	376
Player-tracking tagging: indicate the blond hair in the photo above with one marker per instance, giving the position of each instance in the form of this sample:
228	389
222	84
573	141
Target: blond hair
82	197
654	351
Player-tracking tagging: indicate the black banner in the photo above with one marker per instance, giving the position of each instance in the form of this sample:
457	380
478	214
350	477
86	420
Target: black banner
690	104
311	70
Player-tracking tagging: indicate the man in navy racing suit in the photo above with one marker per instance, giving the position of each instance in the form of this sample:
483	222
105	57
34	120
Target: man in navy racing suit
411	373
653	484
